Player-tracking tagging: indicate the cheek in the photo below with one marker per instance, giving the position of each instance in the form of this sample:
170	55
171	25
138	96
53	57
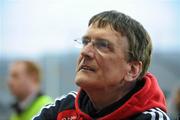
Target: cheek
14	87
20	85
13	84
108	65
106	69
113	68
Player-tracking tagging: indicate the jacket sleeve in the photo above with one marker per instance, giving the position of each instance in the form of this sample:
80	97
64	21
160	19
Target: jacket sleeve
152	114
49	112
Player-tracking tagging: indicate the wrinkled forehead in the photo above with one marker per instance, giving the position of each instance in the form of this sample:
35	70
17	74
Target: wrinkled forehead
97	24
103	31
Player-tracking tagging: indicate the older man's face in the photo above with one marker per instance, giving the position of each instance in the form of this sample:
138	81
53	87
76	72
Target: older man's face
102	64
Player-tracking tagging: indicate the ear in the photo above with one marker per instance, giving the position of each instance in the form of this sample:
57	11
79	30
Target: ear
135	69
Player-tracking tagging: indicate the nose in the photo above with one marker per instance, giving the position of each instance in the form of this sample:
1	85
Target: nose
88	51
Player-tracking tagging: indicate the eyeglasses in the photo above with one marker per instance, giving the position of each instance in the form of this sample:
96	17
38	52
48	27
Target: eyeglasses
101	45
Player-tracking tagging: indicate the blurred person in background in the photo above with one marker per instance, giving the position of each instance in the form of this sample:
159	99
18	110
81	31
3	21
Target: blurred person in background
112	75
24	83
177	103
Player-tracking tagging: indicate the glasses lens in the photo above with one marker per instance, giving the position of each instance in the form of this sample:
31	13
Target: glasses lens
101	44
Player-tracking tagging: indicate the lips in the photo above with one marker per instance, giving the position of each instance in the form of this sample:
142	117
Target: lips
87	68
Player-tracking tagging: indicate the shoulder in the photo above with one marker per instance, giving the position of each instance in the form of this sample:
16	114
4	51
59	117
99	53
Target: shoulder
152	114
63	100
43	100
66	101
50	111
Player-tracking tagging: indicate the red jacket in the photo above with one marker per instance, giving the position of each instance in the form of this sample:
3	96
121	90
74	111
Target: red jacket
145	102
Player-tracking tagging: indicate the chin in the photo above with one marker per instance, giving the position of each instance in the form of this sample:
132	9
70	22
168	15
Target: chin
86	83
81	80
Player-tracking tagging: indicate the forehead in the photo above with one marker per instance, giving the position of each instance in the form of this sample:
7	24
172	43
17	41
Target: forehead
18	67
107	31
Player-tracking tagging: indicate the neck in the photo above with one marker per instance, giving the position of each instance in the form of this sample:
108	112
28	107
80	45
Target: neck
29	92
103	98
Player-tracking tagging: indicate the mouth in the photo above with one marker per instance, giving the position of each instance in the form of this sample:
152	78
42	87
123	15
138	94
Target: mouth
87	68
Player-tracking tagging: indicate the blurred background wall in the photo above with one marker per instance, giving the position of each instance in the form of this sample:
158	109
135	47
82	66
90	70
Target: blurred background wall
43	31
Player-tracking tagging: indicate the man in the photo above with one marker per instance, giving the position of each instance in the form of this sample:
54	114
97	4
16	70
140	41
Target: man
24	84
112	75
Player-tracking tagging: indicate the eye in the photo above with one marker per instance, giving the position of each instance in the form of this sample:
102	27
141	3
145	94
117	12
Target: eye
85	42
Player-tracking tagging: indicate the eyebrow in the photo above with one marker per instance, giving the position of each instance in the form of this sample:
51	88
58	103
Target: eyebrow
98	38
85	37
